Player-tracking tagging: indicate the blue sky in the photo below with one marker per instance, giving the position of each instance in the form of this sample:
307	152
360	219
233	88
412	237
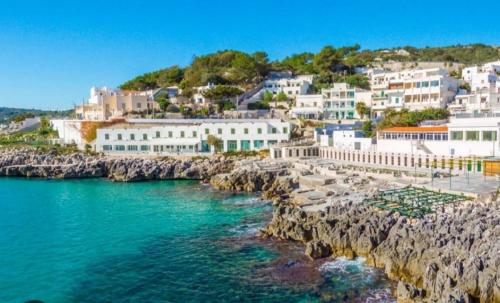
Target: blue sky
52	52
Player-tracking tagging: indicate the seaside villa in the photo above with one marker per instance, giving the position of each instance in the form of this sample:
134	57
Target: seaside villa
190	136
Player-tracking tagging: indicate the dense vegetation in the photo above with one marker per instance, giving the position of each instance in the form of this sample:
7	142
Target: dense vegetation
8	114
405	117
330	64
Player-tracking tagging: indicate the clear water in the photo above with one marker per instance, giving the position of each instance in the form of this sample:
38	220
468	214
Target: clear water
173	241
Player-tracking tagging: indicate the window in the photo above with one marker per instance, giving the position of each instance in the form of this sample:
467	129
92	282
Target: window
219	131
434	83
182	134
232	145
259	130
132	137
425	84
170	134
119	137
107	147
418	84
144	136
245	131
273	130
144	147
132	147
106	136
138	105
270	142
195	134
245	145
457	135
258	144
472	135
120	147
285	130
157	134
489	135
233	131
207	131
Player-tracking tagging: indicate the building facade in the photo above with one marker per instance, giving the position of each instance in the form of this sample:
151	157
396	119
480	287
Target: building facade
340	101
291	86
421	88
190	136
105	103
460	137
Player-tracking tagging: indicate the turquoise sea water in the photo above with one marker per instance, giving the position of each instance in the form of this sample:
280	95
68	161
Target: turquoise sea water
173	241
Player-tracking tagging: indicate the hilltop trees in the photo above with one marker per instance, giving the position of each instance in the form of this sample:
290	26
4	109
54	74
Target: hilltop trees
330	64
161	78
405	117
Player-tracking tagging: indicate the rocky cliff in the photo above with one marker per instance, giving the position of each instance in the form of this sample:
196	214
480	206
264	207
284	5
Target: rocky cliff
451	256
30	163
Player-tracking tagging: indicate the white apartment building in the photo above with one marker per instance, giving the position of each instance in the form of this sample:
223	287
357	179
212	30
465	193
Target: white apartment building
461	137
105	103
421	88
291	86
391	100
481	77
481	101
190	136
308	107
340	101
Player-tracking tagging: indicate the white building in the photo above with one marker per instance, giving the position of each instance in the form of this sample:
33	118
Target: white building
105	103
481	77
460	137
340	101
198	97
291	86
481	101
190	136
69	131
421	88
308	107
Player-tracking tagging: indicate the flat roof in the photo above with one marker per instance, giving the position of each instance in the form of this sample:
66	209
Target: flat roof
417	129
197	121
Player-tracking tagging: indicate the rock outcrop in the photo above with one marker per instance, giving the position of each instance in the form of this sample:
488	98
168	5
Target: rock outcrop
31	163
451	256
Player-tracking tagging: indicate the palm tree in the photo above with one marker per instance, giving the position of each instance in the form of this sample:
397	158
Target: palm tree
361	109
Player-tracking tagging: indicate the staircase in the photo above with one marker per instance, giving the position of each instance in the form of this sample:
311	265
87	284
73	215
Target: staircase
421	146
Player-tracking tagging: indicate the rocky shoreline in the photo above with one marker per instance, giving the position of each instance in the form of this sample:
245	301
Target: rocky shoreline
33	164
450	256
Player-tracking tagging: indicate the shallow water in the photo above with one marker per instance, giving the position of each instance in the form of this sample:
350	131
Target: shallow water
172	241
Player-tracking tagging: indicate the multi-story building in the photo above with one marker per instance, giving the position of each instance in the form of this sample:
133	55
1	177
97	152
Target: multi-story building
308	107
340	101
291	86
190	136
105	103
464	136
421	88
481	77
485	100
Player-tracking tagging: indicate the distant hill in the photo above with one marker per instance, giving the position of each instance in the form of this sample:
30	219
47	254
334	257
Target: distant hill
9	113
239	68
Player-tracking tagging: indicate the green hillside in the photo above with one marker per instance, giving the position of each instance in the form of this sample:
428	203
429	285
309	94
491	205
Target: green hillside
239	68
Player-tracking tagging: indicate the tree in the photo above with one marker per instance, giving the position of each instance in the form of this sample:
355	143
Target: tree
172	108
358	80
281	96
215	142
368	129
222	92
267	97
326	60
163	102
362	109
299	63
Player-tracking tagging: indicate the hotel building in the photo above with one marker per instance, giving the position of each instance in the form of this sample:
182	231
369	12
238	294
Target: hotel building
291	86
190	136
